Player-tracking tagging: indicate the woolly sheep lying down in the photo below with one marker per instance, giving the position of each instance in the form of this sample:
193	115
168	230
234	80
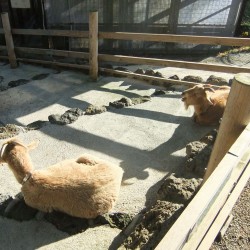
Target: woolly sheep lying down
84	187
209	103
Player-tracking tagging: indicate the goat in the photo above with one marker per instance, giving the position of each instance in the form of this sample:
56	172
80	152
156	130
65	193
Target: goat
85	187
209	104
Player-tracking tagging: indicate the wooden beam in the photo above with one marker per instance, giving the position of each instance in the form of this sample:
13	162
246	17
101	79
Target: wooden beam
64	53
4	57
67	65
236	117
229	41
205	224
40	32
172	63
93	45
225	211
9	40
152	80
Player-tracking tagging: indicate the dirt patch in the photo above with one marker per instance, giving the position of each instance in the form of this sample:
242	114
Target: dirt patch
172	197
178	190
237	234
155	223
93	110
68	117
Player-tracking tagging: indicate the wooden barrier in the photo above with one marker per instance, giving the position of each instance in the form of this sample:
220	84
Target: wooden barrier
93	36
229	41
152	80
193	224
93	45
235	119
9	40
172	63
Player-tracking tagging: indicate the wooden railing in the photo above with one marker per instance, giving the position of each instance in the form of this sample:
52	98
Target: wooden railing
93	57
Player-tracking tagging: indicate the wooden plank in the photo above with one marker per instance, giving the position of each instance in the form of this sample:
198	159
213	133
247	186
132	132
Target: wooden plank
67	65
9	40
172	63
229	41
93	45
64	53
4	57
225	226
235	118
197	209
151	80
179	233
41	32
225	211
204	225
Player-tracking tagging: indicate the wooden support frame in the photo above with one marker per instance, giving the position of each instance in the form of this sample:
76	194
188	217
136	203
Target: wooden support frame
94	35
235	119
152	80
190	228
232	41
9	40
93	45
172	63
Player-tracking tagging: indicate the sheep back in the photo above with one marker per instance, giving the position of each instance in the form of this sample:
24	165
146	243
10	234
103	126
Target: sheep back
84	188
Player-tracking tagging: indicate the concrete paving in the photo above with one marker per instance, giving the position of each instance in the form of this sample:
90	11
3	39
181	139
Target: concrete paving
147	140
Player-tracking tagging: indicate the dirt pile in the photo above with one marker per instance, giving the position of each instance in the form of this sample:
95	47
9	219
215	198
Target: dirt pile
172	197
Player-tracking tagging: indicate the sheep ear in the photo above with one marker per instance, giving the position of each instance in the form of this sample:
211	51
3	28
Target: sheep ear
32	145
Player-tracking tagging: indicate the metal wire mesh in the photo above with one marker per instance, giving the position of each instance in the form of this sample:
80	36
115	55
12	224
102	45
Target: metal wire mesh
193	17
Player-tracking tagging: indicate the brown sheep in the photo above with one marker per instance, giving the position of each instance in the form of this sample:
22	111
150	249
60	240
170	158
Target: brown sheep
84	187
209	104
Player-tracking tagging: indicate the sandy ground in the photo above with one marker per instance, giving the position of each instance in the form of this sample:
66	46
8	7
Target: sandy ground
147	140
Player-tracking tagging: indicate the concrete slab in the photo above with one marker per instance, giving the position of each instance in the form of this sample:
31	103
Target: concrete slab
147	140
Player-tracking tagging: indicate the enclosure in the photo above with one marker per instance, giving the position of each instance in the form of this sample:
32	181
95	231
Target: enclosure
147	139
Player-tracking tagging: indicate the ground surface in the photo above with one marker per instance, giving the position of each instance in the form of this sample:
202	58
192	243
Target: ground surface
147	140
237	236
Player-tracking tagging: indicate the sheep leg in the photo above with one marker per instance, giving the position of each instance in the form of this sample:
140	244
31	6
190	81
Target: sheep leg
17	199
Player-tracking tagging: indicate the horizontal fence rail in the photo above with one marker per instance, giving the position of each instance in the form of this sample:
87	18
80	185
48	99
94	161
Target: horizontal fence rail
167	38
228	41
175	38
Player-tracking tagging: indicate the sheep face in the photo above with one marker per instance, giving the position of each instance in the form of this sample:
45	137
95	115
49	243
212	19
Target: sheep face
196	95
14	147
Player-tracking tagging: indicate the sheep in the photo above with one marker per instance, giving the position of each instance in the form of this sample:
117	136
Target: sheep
84	187
209	104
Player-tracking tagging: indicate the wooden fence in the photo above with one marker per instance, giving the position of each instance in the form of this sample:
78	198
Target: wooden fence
93	57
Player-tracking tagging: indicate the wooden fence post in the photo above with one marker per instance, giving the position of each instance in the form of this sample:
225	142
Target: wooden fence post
9	40
93	45
236	117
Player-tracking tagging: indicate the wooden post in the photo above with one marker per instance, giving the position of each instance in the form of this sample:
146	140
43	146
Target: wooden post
93	45
9	40
236	117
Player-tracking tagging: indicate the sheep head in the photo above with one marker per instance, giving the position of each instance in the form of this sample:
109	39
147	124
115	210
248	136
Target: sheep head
197	95
13	145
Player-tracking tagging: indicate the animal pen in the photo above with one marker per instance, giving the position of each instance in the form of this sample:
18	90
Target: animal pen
228	169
